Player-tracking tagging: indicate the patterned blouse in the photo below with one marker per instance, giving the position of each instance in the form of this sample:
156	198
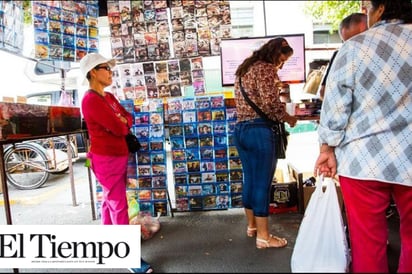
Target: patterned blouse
367	109
260	85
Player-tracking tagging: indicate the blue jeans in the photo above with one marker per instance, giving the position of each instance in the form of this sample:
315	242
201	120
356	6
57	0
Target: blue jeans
255	142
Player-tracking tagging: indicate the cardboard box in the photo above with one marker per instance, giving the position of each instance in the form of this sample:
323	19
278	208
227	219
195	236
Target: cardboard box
283	198
305	192
308	190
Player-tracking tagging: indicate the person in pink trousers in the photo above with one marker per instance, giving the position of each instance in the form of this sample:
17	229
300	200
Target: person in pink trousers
108	123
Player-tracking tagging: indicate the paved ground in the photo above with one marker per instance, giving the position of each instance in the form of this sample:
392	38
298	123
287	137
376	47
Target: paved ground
193	242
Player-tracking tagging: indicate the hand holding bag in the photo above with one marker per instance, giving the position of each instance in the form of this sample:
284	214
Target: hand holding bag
321	244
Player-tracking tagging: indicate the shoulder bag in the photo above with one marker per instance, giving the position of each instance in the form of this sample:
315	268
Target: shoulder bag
277	126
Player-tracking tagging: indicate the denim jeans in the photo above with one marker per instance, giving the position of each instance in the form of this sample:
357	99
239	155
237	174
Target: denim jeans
255	142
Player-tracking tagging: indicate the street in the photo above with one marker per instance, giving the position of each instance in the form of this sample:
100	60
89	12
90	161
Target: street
54	202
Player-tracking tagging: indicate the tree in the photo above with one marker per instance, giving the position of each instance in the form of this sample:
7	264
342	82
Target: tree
331	12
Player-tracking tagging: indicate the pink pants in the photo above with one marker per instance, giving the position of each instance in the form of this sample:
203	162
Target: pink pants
366	203
111	172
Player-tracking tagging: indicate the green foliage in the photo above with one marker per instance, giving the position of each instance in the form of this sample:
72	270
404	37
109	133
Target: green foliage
331	12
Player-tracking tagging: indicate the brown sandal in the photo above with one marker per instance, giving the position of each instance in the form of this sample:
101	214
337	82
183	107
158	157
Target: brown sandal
261	244
251	232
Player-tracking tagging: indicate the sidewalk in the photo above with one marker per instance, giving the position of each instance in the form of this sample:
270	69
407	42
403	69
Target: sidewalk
190	242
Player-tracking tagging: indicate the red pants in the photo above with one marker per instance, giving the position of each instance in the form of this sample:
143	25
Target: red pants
111	172
366	203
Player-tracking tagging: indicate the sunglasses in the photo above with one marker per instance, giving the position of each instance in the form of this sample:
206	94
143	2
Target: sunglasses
108	68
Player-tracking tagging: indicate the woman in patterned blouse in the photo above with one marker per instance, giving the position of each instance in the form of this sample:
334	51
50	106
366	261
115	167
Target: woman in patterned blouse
255	139
365	133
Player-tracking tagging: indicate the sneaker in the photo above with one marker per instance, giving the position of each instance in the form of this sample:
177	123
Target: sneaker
144	268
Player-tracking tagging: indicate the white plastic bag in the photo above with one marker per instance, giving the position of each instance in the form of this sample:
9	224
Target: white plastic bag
321	244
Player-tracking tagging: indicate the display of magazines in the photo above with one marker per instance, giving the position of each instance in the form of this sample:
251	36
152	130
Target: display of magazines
154	30
161	79
147	172
12	26
65	30
206	167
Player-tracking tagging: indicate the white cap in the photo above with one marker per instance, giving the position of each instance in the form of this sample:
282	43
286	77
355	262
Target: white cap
91	60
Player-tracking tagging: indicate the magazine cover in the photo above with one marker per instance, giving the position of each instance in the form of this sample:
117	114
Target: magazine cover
219	128
236	175
190	129
156	144
177	143
160	207
195	190
205	128
196	203
222	176
158	157
158	169
223	188
178	155
208	177
159	194
189	116
182	204
208	189
181	179
175	130
222	201
192	142
209	202
192	154
144	182
179	167
181	191
195	178
159	181
143	158
206	153
193	166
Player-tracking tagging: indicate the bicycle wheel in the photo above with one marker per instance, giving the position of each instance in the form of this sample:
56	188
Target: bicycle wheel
57	151
26	165
60	143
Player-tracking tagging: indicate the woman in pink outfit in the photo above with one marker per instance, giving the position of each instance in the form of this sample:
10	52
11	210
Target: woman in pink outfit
108	123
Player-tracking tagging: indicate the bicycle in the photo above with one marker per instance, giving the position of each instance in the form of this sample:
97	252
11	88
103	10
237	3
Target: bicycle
28	165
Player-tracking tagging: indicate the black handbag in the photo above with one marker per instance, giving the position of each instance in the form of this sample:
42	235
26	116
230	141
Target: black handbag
133	143
277	126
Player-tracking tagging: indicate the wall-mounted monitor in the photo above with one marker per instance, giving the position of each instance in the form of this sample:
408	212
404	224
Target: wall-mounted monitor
234	51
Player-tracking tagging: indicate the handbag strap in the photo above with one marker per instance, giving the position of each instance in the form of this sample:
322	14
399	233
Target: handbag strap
254	106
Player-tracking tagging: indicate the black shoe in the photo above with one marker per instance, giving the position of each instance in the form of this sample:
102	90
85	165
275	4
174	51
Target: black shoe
144	268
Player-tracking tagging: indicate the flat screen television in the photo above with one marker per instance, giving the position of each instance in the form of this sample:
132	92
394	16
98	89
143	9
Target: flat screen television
234	51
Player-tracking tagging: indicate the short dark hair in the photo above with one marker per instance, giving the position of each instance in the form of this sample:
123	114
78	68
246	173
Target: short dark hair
395	9
352	19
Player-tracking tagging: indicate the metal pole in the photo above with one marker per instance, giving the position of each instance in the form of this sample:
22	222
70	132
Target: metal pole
264	16
69	156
